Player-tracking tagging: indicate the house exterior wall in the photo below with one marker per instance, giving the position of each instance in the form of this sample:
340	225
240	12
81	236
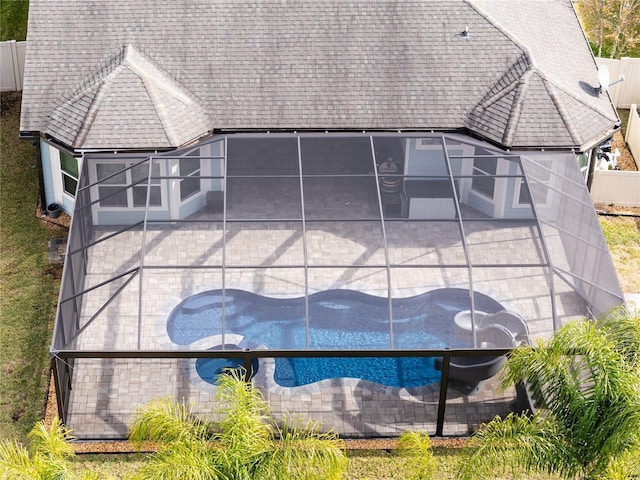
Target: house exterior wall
420	161
425	161
52	177
127	215
511	207
172	206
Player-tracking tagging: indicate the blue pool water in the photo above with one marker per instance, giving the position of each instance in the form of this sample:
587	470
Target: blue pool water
210	368
338	319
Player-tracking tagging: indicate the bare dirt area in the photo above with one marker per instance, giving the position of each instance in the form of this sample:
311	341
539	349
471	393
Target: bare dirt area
63	221
609	209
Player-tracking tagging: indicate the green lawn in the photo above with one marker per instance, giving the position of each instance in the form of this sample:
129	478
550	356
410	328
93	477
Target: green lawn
29	287
623	237
13	19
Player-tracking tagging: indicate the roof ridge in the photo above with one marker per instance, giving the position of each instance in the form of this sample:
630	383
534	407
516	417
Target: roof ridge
562	111
95	77
520	98
103	86
101	95
91	84
505	84
533	65
138	62
92	112
572	95
516	108
155	79
504	31
551	87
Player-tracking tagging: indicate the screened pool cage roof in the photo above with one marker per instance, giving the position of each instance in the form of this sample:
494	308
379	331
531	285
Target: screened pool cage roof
392	234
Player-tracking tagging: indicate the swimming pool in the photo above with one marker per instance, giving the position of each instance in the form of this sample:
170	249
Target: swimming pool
338	320
210	368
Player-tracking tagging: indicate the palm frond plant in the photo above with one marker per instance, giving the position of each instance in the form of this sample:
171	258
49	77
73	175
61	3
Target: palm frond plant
304	452
415	447
246	431
246	443
47	458
586	379
182	459
165	421
15	462
623	327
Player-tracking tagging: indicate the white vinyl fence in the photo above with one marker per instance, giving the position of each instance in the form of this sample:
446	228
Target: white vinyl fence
616	186
625	93
632	135
11	65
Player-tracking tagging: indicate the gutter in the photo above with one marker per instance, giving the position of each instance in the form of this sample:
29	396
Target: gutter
598	140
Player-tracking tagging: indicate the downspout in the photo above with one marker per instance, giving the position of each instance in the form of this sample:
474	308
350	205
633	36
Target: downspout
43	200
592	166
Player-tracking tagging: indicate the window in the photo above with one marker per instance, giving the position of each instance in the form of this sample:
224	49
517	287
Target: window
540	191
189	167
116	177
583	163
484	171
428	143
69	168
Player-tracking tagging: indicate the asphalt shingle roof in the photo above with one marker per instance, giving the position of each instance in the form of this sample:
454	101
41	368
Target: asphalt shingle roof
523	77
129	95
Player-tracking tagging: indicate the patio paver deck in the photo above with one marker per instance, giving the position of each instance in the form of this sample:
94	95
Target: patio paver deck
107	391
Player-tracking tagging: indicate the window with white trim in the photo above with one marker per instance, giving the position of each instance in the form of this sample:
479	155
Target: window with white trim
189	167
484	171
69	170
114	179
540	188
428	143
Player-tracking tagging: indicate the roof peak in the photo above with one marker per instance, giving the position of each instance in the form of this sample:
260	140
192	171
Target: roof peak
167	101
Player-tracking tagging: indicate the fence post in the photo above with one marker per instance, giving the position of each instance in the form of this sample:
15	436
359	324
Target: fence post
632	135
442	401
11	65
17	72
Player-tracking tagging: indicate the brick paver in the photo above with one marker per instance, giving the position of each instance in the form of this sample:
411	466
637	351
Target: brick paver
107	391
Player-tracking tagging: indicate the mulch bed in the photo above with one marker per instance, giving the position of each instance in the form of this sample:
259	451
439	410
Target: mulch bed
616	210
63	221
625	160
375	444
